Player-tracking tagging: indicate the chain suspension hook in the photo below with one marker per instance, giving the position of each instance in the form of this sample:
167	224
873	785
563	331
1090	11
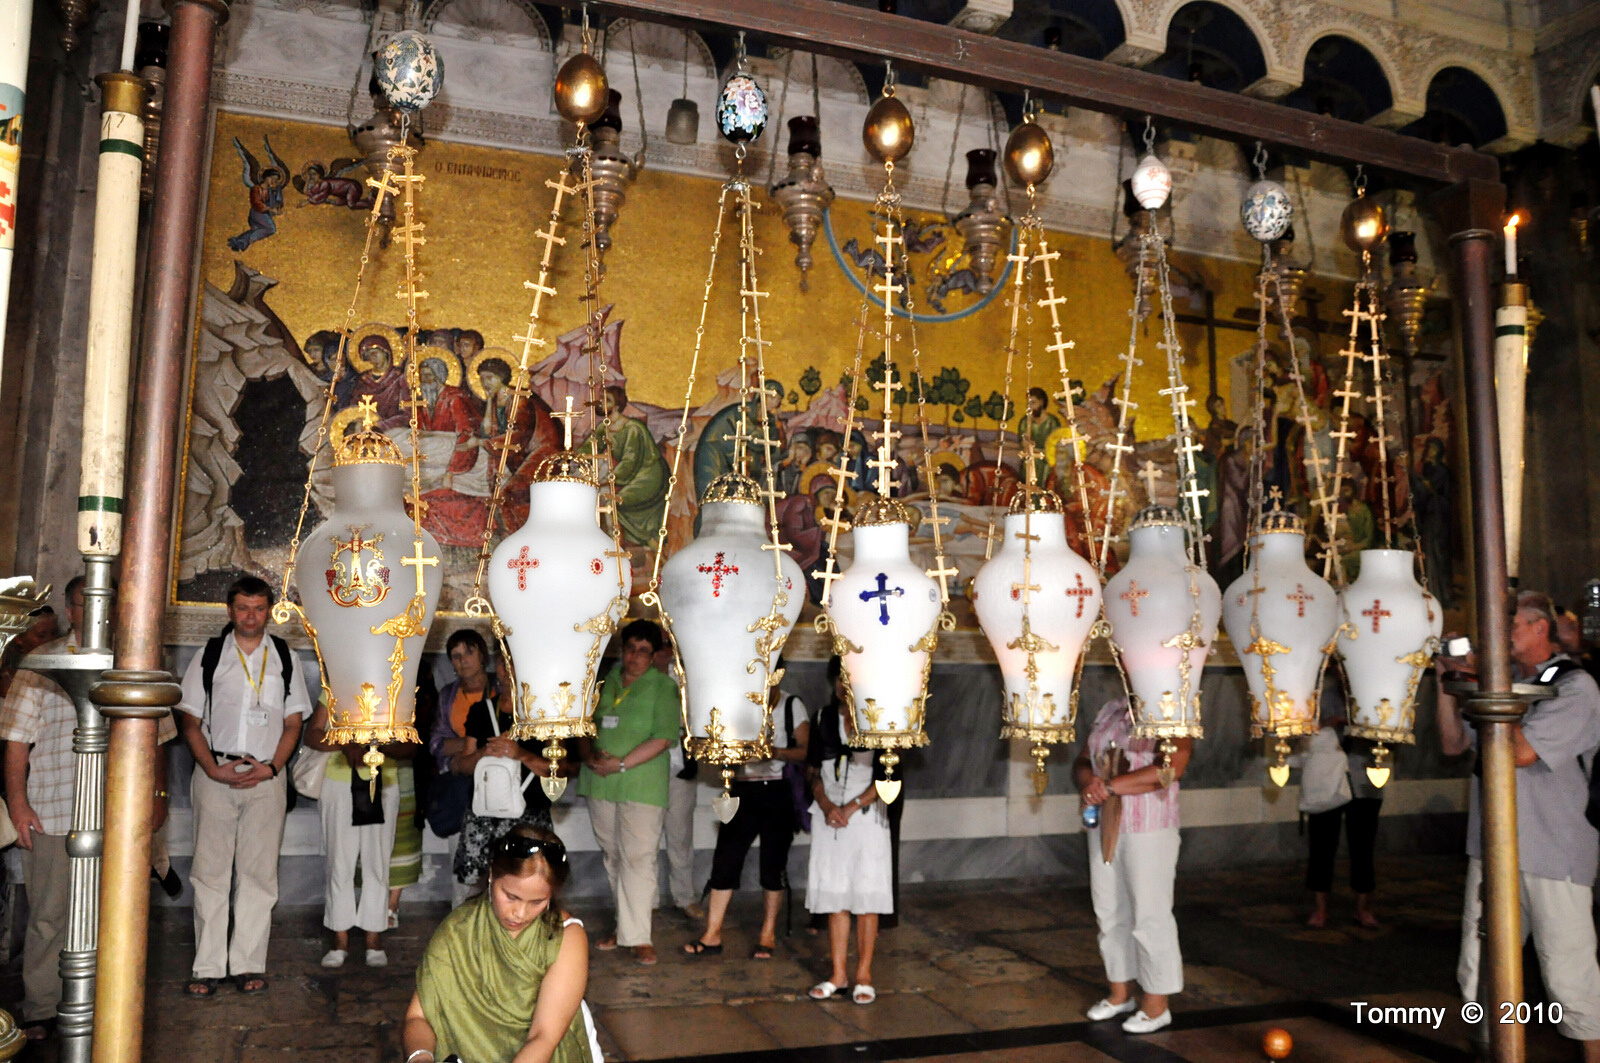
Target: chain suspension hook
888	77
1149	135
1261	161
588	33
1361	180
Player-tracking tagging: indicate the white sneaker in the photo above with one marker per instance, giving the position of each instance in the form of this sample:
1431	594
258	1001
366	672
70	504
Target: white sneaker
1142	1023
334	958
1107	1010
377	958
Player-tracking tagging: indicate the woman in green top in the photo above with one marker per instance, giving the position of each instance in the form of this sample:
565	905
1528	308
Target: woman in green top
503	978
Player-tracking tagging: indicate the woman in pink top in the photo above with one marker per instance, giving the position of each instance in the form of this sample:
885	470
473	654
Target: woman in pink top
1132	891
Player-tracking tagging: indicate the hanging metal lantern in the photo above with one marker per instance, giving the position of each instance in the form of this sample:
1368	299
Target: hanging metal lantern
1406	296
581	91
981	222
150	60
1029	154
1266	211
1389	642
1362	225
1037	602
730	612
74	17
683	121
561	587
409	70
1163	611
803	193
383	132
1282	618
888	132
612	169
376	585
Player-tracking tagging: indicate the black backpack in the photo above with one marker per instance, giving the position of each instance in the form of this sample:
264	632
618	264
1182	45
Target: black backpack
1559	669
212	655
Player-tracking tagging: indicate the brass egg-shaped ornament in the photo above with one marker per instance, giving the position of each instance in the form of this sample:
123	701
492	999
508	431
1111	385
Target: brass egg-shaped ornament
581	89
1029	155
1363	225
888	131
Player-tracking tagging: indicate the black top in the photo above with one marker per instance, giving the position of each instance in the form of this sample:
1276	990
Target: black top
827	742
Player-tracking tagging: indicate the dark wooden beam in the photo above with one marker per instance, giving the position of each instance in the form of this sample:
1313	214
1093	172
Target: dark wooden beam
864	35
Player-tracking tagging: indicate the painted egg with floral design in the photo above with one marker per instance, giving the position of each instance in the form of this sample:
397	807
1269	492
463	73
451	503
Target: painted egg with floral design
1266	210
741	109
410	71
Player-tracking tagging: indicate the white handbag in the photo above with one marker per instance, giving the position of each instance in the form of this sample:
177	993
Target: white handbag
497	784
8	830
1325	774
307	771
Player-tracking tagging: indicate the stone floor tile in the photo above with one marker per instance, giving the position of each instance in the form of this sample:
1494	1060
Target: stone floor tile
1072	1053
1040	1001
1062	947
981	965
896	1015
656	1033
1314	1042
799	1023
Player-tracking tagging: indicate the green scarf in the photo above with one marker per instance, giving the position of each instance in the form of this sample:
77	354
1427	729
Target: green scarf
478	986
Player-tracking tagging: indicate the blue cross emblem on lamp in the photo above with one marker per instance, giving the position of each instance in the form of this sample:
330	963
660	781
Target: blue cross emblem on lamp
883	594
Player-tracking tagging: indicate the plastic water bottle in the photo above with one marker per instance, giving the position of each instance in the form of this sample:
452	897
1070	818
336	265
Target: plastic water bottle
1091	817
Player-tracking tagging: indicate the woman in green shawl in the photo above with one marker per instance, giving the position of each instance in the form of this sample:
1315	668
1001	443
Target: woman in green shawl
504	976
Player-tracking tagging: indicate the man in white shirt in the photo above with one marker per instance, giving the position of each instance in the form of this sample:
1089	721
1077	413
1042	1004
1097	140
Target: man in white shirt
244	700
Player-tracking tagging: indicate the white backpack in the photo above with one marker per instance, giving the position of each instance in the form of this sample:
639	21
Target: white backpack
497	784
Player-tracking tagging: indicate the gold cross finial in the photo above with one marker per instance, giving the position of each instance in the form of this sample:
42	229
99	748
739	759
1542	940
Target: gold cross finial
368	412
420	563
566	420
1149	474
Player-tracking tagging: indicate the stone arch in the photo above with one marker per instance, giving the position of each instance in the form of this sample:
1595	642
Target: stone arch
1580	97
663	44
1498	92
1344	76
1379	51
489	19
1259	30
1249	49
835	75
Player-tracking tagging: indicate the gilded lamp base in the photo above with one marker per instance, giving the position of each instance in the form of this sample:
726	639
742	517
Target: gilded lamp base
889	739
1396	735
1168	730
1042	738
551	732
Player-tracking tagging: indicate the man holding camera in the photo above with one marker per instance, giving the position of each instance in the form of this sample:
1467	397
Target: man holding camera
1559	850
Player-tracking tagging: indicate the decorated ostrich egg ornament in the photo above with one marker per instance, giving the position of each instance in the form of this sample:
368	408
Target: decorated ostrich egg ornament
376	594
410	71
730	615
1266	211
1152	183
561	588
1281	617
741	108
1163	611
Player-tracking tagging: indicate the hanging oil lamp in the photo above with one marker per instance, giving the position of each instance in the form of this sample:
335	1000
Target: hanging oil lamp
683	114
803	193
885	611
1406	296
730	598
981	223
613	169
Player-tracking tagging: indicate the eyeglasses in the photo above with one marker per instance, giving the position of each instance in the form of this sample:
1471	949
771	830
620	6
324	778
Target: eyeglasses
517	847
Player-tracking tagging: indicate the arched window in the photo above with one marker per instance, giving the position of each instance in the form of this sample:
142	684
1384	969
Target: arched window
1210	45
1343	80
1462	109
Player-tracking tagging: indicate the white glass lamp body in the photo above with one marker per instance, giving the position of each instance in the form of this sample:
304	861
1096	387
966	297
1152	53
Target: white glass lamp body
1152	603
884	610
1394	627
1151	182
360	584
557	585
1062	609
719	591
1296	613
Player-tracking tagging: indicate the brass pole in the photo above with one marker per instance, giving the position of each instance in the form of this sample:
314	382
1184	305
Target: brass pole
1472	212
136	694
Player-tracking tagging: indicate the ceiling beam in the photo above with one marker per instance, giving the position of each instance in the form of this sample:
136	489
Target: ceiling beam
863	34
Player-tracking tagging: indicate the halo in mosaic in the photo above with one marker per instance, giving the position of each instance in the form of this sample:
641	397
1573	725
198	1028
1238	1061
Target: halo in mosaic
741	109
410	71
1266	210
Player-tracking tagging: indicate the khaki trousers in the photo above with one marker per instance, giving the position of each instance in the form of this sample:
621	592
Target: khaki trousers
48	871
1560	916
681	797
629	834
237	836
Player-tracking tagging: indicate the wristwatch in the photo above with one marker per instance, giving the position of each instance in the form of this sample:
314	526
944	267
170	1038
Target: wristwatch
622	766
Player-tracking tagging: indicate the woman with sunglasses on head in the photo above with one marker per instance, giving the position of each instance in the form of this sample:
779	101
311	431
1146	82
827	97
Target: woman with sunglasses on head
504	976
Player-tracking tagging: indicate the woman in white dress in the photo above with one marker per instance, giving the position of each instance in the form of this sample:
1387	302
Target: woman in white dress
851	871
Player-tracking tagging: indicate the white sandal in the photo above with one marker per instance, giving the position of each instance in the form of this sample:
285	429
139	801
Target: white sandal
863	994
823	991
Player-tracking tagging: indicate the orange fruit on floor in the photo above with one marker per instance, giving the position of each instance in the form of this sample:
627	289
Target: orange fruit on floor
1277	1043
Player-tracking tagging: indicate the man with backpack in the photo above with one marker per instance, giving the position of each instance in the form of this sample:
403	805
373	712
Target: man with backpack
1559	849
770	807
244	701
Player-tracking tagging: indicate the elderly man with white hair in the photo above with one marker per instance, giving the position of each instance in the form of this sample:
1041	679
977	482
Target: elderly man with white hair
1559	850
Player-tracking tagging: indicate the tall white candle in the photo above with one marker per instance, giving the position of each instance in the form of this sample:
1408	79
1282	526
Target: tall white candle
1511	246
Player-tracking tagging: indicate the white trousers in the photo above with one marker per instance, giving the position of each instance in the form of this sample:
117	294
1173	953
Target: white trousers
237	835
681	797
1560	916
346	846
1133	904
